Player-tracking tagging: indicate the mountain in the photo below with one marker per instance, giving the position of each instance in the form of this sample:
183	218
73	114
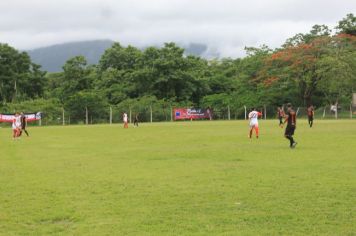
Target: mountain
52	58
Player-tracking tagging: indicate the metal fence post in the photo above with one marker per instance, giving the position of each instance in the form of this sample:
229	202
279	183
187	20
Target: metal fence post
228	112
350	111
245	112
130	114
151	113
86	116
110	115
324	112
171	114
63	117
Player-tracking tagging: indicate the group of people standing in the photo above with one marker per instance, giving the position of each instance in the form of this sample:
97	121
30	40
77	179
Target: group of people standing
19	124
126	121
310	113
289	118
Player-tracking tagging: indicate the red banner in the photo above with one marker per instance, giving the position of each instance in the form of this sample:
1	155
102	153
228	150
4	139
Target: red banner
29	117
192	114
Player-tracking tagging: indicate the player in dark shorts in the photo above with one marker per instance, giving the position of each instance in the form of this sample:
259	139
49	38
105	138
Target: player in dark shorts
23	124
310	111
280	114
291	120
136	120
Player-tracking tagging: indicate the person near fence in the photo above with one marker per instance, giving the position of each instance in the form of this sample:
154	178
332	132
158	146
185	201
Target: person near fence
291	120
333	109
23	124
16	126
310	111
253	117
136	120
125	120
208	111
280	115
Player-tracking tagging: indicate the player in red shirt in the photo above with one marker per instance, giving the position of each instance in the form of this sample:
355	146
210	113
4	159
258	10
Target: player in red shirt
280	114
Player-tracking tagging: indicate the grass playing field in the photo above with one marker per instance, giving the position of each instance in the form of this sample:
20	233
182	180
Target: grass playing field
187	178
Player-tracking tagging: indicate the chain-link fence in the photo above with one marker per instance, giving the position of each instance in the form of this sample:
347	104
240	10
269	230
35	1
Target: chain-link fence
330	112
161	112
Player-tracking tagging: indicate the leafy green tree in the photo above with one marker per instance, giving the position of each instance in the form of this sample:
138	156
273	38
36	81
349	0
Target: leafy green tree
114	86
347	25
94	102
120	58
77	76
164	73
19	77
35	84
222	76
298	64
119	68
248	77
316	32
172	71
338	75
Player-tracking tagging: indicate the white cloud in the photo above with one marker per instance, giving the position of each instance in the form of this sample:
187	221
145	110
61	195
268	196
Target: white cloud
225	25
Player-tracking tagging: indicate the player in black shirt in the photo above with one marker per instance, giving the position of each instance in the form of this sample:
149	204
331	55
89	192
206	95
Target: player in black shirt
136	120
291	120
23	124
310	111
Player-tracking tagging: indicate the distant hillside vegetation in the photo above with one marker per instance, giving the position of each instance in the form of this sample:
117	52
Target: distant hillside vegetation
52	58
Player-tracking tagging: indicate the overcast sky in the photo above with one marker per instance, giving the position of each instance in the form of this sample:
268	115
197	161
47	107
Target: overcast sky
226	26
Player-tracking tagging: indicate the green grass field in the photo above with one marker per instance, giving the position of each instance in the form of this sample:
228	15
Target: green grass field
187	178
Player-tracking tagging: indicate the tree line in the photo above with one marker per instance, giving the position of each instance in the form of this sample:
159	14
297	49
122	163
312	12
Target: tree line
318	68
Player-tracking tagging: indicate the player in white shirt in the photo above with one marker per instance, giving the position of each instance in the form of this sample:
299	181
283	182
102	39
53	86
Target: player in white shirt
253	117
16	126
124	117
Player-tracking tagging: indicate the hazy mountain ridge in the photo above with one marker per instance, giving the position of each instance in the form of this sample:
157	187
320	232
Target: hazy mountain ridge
52	58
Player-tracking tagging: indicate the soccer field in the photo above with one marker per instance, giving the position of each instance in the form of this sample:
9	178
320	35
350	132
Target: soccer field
184	178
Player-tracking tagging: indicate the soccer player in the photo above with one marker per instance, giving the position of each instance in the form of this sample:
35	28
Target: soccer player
23	124
136	120
16	126
280	114
126	123
310	111
253	116
291	118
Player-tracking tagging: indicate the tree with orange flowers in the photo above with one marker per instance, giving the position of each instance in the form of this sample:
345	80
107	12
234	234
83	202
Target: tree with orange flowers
317	63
